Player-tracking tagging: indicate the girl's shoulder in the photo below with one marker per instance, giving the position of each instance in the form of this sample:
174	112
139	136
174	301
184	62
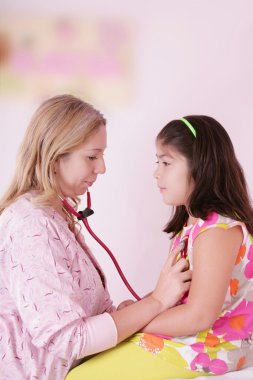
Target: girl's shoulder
215	220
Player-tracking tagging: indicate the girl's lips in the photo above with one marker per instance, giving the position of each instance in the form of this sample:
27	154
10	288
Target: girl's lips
161	189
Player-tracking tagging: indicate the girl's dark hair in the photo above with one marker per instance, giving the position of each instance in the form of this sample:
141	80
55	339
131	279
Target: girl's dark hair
220	184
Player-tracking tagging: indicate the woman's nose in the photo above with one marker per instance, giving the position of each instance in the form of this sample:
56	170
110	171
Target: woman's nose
100	167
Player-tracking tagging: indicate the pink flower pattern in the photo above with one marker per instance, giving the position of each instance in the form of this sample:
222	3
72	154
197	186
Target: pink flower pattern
249	266
203	362
237	323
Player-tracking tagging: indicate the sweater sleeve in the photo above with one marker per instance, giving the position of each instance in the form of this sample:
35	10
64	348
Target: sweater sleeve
42	289
101	334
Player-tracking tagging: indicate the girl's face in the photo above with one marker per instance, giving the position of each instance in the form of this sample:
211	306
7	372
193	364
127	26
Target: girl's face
78	170
173	175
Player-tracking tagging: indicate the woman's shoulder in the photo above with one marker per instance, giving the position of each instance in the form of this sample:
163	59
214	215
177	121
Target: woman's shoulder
23	212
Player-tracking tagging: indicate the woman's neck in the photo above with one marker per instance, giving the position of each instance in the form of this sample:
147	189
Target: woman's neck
58	207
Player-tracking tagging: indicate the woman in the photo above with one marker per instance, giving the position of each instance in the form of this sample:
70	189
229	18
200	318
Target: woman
55	306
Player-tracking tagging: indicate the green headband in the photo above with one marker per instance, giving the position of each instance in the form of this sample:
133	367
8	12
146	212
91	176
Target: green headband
193	131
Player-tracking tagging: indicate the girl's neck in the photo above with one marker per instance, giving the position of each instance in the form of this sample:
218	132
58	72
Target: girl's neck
191	220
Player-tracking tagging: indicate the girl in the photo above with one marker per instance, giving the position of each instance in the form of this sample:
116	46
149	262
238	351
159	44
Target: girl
55	306
210	331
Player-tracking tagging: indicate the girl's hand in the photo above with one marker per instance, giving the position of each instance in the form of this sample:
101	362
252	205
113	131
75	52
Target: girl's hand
174	280
125	304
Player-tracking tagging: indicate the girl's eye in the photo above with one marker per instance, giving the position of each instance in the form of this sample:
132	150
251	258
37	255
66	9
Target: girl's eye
163	163
92	158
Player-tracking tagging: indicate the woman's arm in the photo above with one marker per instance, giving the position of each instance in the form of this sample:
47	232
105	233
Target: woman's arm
214	254
41	286
172	284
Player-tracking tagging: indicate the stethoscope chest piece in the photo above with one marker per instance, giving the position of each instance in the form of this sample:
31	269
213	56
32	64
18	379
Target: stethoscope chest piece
184	243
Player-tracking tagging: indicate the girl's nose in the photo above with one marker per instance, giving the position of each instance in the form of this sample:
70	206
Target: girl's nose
156	173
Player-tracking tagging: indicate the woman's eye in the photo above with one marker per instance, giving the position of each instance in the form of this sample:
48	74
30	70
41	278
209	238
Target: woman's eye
92	158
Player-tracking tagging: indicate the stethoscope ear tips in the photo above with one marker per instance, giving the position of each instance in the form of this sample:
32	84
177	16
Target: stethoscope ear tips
85	213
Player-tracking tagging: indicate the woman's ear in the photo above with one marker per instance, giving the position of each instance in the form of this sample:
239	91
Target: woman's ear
55	166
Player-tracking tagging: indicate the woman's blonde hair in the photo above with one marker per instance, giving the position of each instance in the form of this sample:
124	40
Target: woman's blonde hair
58	126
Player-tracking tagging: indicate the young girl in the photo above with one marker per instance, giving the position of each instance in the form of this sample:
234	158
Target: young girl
210	331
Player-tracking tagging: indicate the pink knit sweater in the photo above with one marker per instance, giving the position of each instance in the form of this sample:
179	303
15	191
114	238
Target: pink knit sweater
54	302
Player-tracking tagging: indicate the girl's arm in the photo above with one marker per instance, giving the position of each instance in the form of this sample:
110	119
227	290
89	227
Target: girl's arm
214	254
172	284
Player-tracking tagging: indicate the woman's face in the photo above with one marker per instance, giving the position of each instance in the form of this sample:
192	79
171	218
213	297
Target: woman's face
173	176
78	170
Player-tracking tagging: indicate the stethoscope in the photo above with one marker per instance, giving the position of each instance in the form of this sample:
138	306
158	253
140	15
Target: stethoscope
83	215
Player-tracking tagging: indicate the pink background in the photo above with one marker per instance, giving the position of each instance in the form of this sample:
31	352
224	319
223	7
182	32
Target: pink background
188	57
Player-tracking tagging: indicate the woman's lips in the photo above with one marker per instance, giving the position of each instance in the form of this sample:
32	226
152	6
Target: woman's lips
89	183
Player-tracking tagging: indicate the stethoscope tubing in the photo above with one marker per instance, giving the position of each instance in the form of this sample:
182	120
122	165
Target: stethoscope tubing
81	216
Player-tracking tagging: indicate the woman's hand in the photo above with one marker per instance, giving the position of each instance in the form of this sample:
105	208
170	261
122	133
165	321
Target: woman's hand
174	280
125	304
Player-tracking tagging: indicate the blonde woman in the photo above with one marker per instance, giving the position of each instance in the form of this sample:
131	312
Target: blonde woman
55	306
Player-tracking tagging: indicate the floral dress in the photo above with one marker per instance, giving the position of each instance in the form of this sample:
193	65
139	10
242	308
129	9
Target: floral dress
222	348
226	345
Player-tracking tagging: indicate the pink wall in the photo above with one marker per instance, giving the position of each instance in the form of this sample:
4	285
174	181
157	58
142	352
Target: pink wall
187	57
